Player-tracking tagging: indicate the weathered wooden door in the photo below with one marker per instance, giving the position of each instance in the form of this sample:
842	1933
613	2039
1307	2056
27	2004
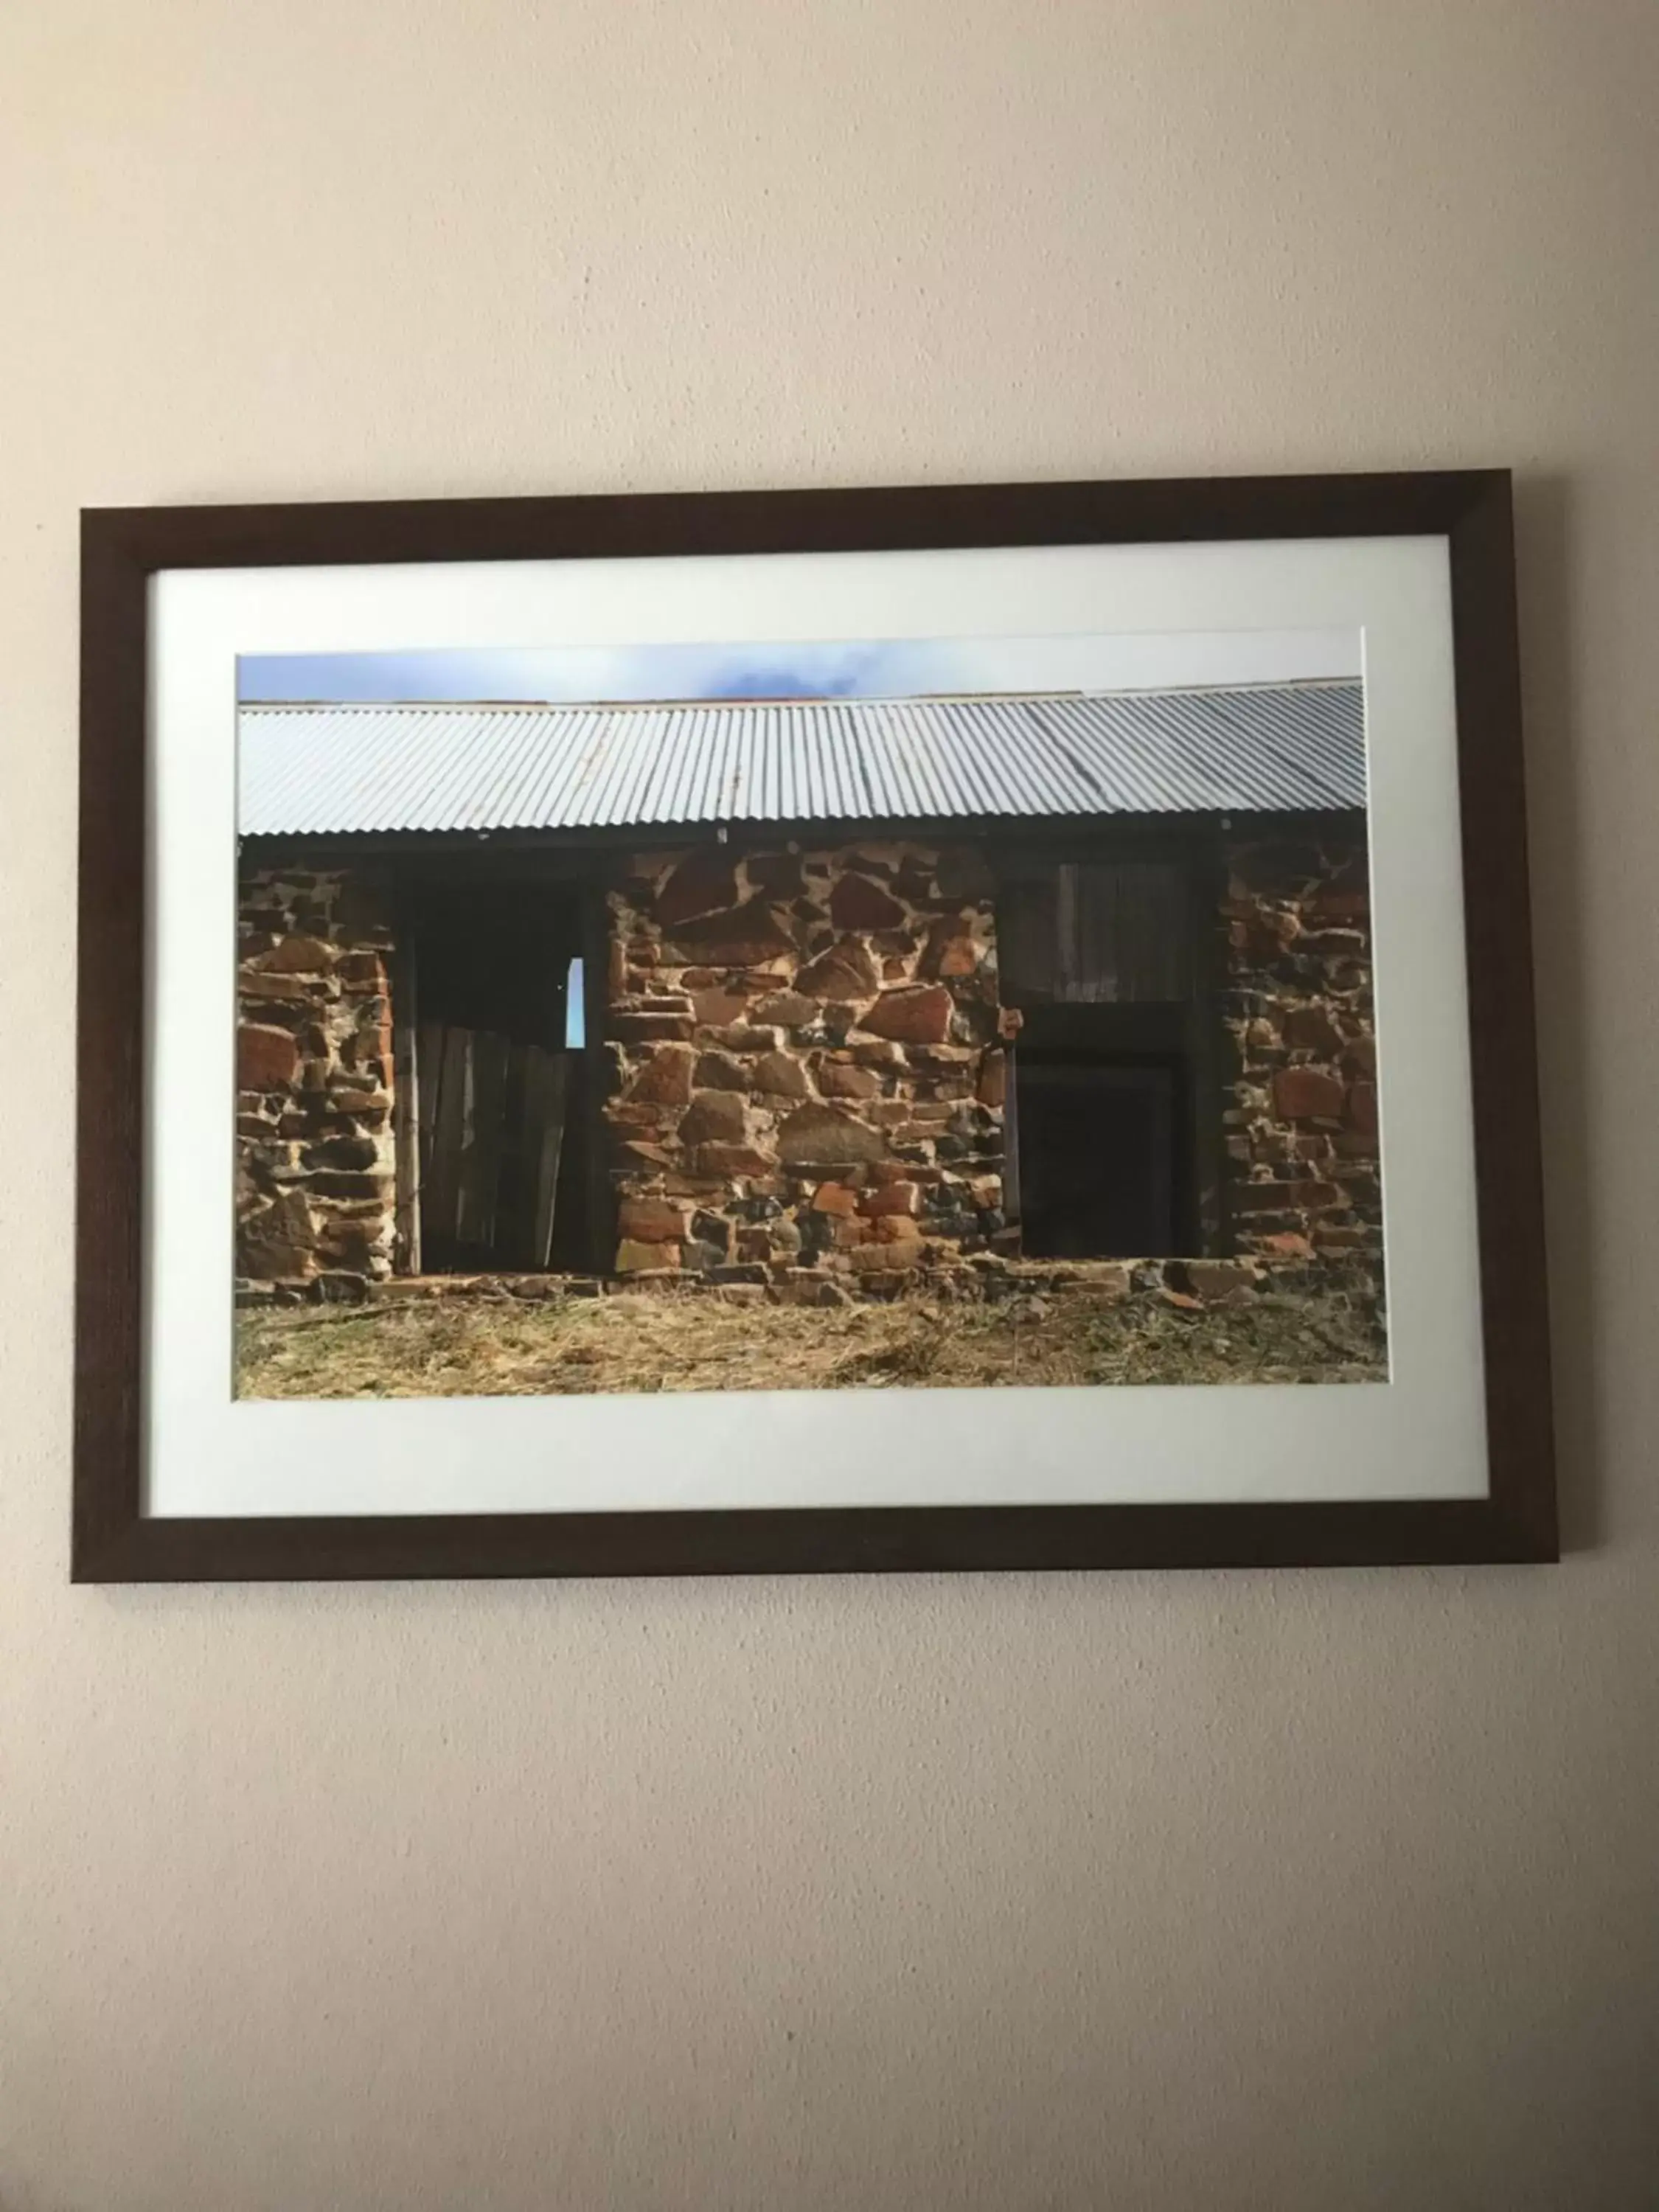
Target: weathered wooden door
490	1084
492	1118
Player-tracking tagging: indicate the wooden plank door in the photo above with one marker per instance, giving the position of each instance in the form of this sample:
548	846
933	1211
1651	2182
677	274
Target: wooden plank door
546	1100
492	1119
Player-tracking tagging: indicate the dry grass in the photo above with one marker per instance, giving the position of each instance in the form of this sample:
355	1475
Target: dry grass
493	1347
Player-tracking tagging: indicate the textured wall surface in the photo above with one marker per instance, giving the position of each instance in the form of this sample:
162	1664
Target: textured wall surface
802	1041
1169	1890
315	1150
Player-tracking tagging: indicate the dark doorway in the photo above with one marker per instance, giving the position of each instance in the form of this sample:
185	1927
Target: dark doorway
497	1038
1102	1156
1113	1129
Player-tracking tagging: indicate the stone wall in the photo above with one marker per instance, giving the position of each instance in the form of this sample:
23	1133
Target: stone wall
808	1069
808	1079
314	1188
1301	1098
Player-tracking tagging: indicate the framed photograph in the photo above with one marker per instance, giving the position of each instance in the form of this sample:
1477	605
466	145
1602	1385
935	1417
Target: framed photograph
982	1027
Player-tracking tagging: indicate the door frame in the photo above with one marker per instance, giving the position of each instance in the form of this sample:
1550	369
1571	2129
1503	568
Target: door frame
584	1120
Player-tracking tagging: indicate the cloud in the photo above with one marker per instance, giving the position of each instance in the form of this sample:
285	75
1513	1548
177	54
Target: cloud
830	669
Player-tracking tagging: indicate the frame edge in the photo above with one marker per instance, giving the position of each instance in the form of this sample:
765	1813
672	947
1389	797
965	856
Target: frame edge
112	1541
1502	1030
111	1002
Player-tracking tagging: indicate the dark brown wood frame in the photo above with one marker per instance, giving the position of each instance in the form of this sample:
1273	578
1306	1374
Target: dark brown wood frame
113	1540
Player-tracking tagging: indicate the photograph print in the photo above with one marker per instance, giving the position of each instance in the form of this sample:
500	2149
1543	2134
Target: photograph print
872	1015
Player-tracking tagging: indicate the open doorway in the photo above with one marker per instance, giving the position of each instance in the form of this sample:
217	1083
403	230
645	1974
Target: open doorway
1102	1158
1103	1135
495	1088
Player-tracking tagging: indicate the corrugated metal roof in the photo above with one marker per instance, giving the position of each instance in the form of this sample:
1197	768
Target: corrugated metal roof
308	771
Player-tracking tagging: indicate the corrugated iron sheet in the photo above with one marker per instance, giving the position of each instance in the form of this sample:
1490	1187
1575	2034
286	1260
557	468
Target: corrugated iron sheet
328	769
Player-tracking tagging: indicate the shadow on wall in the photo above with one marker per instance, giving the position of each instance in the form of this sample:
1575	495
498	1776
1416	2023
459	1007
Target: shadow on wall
1562	875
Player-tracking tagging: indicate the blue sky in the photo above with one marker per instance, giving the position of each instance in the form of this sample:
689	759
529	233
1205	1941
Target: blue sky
899	668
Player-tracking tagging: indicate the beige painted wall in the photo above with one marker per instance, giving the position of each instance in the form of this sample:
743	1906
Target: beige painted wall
1293	1891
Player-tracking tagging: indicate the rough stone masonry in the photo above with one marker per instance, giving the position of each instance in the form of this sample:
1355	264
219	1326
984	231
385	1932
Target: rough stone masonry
1301	1093
808	1065
811	1065
809	1077
315	1202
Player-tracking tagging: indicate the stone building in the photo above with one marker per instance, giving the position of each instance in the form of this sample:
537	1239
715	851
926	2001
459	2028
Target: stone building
827	996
